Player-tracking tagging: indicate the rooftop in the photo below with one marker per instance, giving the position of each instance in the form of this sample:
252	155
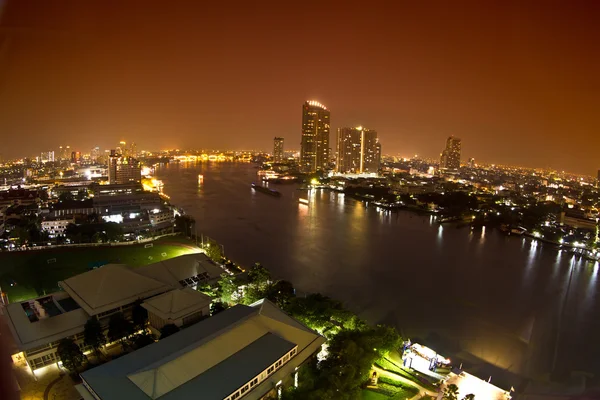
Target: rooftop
30	331
226	350
111	286
177	303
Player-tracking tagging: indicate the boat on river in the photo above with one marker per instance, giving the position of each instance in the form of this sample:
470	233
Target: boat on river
266	190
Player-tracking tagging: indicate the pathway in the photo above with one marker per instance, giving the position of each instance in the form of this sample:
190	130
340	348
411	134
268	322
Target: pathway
422	391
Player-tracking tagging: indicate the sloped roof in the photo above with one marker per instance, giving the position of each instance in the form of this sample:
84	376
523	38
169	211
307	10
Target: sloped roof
177	303
110	286
206	357
179	268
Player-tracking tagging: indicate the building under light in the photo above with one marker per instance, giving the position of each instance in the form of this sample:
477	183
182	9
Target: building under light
245	352
314	148
278	150
450	159
122	169
358	150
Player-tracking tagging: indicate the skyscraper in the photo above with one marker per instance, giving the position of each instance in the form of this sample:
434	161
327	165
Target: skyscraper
123	169
348	150
450	158
358	150
278	149
314	148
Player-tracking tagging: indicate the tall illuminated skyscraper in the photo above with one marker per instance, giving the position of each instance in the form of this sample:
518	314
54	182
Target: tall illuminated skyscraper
450	158
278	150
358	150
314	148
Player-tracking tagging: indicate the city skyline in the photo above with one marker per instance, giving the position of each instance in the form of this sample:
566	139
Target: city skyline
516	92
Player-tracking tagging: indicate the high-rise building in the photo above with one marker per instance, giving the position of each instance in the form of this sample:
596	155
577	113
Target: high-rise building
314	148
358	150
47	156
123	169
450	159
472	162
348	150
95	154
278	150
64	153
75	156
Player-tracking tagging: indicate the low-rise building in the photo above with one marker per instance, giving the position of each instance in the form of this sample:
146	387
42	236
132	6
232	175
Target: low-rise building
178	307
38	325
246	352
56	226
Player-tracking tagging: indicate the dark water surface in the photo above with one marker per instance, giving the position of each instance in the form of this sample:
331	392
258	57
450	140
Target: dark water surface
477	294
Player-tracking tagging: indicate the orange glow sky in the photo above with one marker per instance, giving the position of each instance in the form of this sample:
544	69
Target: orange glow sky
518	81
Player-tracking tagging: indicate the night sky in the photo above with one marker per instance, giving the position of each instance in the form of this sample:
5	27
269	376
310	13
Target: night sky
519	83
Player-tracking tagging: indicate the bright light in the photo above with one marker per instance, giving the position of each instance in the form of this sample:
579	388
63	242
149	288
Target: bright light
537	234
314	181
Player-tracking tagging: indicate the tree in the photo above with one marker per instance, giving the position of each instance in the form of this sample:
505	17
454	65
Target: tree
143	340
214	251
451	392
93	335
70	354
168	330
281	293
139	316
259	276
119	329
226	287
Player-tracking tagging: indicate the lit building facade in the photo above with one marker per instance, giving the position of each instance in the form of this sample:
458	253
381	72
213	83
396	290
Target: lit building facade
278	150
450	159
314	148
122	169
358	150
47	156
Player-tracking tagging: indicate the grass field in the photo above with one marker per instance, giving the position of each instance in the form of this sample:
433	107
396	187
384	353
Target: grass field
368	394
24	275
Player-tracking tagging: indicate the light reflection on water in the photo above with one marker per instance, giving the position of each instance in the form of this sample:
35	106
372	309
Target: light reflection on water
378	262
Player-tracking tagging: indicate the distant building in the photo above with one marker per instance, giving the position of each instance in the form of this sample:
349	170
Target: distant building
56	226
472	162
47	156
598	179
450	159
314	148
19	196
123	169
246	352
95	154
578	219
358	150
278	150
75	156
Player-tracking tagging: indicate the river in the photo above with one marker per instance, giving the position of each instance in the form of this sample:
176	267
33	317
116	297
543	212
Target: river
501	304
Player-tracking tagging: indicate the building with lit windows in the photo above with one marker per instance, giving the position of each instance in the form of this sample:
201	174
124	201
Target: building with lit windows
358	151
278	150
122	169
245	352
314	147
450	158
47	156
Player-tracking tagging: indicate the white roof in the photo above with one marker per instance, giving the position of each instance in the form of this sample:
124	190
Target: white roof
177	303
213	357
110	286
176	269
29	334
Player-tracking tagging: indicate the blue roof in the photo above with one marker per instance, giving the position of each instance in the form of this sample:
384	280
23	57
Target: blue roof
229	375
110	380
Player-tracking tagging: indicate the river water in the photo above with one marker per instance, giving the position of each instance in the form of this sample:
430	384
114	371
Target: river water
484	298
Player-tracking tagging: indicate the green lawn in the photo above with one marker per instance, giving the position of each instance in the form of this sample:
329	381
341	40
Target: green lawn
34	272
368	394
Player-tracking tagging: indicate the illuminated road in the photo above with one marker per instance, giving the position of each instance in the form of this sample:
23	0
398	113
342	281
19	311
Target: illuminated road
472	296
